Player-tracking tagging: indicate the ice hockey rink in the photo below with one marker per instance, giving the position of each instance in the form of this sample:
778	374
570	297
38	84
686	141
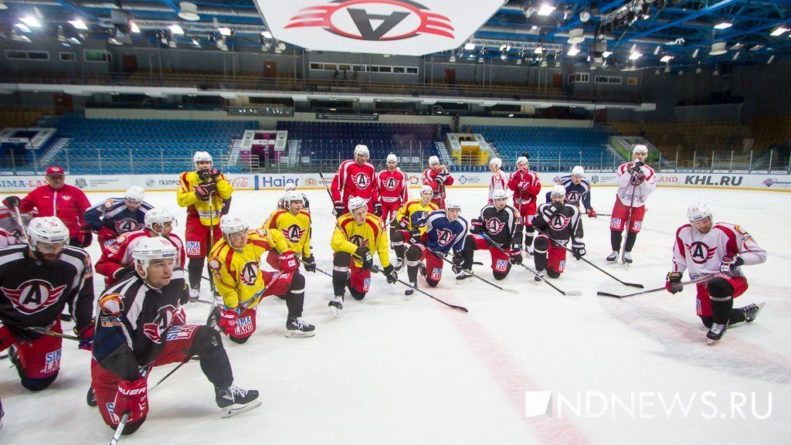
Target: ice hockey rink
397	371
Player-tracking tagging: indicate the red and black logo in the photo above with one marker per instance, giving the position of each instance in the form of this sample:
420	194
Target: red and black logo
559	222
160	324
359	241
494	226
391	183
355	19
293	233
361	180
249	273
700	252
127	225
444	237
33	296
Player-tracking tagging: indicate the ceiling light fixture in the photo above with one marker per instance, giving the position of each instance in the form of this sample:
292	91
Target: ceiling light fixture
779	31
188	11
545	9
723	25
176	29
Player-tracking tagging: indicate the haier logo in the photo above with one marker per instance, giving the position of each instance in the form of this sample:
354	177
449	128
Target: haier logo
275	182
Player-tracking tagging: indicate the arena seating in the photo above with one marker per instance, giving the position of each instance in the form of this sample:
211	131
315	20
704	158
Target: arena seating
547	144
154	146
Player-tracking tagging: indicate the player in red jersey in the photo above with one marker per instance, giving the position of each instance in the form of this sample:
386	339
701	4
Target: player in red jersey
437	176
393	186
526	186
355	178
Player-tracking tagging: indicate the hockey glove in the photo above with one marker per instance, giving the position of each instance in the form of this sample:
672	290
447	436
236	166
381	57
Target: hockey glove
338	208
202	192
729	264
227	322
215	174
204	175
391	275
84	236
476	226
131	397
364	255
525	186
637	179
591	213
515	256
288	261
673	282
378	209
86	336
441	178
458	262
414	236
310	264
11	202
403	223
578	249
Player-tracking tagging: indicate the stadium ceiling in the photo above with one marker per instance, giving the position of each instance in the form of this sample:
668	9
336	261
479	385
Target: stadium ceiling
618	33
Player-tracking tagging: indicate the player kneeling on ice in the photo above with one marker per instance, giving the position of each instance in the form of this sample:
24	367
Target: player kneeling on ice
36	282
294	223
141	325
715	253
356	233
118	215
558	223
235	265
444	230
499	224
410	223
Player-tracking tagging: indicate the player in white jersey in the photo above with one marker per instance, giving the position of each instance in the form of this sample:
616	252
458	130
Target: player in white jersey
499	180
635	182
716	252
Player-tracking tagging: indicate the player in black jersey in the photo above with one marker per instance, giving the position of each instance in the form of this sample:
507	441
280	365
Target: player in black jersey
501	224
37	280
558	223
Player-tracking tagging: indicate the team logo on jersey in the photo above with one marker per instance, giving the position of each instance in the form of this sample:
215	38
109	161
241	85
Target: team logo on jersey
67	197
700	252
160	324
444	237
214	265
494	226
293	233
559	222
572	197
359	241
127	225
391	183
361	180
249	273
33	296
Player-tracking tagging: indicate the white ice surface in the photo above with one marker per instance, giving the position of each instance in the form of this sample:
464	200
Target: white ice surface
392	371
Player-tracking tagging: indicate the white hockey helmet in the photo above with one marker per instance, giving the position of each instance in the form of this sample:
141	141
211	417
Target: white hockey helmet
233	224
577	170
361	150
452	205
201	156
356	203
496	161
557	190
149	249
433	160
499	194
134	193
392	157
426	189
639	148
157	216
293	195
698	212
47	230
522	160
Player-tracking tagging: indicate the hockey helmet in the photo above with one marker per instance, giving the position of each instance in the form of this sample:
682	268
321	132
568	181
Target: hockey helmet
499	194
558	190
233	224
47	230
426	189
356	203
154	248
361	150
201	156
433	160
496	162
157	216
522	160
577	170
134	194
392	158
698	212
639	148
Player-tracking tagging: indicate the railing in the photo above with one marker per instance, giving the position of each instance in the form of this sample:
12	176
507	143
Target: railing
416	160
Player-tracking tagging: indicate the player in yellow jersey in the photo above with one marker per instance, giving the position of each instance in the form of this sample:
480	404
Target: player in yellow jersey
234	263
410	222
205	193
356	234
293	223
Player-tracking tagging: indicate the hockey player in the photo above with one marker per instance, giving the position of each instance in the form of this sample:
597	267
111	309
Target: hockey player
437	176
635	182
716	252
355	178
558	223
444	230
499	180
205	193
526	186
118	215
393	187
141	325
410	223
355	235
294	224
577	190
500	223
117	254
281	203
36	282
234	263
57	198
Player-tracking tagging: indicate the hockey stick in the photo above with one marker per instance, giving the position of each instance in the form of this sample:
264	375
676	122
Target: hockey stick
607	294
45	331
211	241
326	187
637	285
498	247
473	273
119	429
452	306
22	227
317	269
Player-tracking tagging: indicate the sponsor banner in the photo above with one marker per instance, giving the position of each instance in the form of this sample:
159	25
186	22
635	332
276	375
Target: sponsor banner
403	27
107	183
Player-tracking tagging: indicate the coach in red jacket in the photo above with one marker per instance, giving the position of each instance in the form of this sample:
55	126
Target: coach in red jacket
57	198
